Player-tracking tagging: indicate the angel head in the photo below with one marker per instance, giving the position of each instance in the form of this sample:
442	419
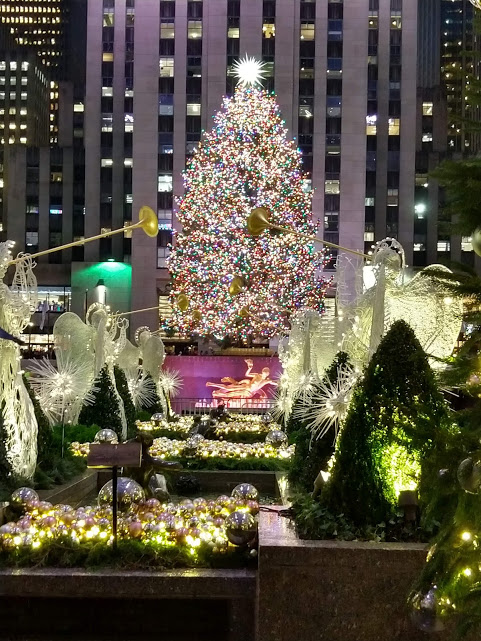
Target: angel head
97	314
390	254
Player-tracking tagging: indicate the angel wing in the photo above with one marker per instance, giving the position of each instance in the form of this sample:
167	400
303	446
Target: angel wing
153	356
74	341
128	358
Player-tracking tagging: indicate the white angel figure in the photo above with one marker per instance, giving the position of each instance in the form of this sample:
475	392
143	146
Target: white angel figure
19	422
422	302
90	346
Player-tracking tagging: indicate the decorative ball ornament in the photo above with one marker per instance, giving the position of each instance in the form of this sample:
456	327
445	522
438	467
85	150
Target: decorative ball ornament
157	418
245	492
22	497
267	418
237	284
243	312
128	493
424	613
469	475
197	315
258	221
277	438
240	528
192	443
106	436
476	235
183	302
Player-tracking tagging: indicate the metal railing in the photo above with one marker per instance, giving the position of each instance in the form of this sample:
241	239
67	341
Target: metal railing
234	405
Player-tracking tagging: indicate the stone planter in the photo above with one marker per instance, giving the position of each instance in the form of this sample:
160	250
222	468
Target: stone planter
333	591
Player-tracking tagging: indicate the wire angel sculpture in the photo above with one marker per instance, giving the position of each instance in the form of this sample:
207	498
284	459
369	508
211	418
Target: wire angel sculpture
83	350
19	422
422	302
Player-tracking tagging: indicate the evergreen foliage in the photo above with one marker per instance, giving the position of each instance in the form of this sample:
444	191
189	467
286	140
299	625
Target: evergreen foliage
5	468
396	419
124	392
311	455
104	411
156	405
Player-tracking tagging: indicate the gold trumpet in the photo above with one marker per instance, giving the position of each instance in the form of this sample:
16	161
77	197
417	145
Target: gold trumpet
260	219
147	221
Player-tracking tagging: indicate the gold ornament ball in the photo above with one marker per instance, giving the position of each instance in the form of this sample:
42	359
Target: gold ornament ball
258	221
476	240
197	315
244	312
183	302
236	285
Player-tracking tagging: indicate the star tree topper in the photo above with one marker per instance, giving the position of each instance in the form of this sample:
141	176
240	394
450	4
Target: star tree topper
249	71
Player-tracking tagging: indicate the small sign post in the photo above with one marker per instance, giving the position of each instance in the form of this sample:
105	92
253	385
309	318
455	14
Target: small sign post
105	455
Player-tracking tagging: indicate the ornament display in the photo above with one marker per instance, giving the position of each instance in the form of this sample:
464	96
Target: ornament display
277	438
424	613
22	497
106	436
128	493
469	475
241	528
245	492
236	424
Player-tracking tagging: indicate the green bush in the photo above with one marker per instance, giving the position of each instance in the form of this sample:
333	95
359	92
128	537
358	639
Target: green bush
104	411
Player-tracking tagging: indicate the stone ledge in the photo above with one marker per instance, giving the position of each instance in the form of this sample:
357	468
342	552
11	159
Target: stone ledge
172	584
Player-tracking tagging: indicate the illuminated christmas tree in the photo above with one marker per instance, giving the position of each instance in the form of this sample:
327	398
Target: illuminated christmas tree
227	282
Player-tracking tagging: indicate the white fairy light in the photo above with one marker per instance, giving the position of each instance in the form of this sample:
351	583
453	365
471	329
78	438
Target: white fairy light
327	406
249	71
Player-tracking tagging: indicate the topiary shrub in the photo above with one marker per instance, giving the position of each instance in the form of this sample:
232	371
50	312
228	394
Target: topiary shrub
104	411
397	418
312	455
124	393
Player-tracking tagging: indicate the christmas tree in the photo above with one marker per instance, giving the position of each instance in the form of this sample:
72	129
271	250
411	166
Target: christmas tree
225	281
397	419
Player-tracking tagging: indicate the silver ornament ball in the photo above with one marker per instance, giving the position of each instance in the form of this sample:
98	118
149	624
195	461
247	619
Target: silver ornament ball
106	436
424	612
469	475
240	528
476	238
128	493
276	438
245	492
157	418
22	496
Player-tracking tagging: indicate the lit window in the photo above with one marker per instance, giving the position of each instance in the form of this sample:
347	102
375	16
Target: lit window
305	111
106	162
24	80
392	197
368	236
55	211
427	108
307	31
306	185
421	180
371	126
56	177
369	202
395	22
373	22
107	56
332	187
128	162
444	246
78	107
108	19
427	137
418	247
233	32
466	244
32	209
393	127
128	199
194	29
166	67
165	182
269	30
13	65
165	218
107	91
12	111
167	29
162	255
31	238
193	109
24	66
